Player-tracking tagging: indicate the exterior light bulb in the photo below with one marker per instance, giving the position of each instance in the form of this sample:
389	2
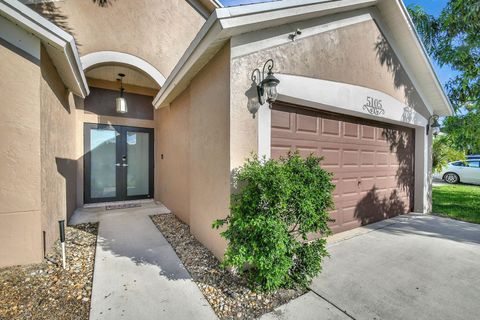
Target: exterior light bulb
121	102
121	105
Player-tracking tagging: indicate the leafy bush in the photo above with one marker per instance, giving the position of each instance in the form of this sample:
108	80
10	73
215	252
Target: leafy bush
443	153
278	204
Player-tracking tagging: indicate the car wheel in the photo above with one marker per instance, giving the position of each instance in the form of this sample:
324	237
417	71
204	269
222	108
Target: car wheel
451	178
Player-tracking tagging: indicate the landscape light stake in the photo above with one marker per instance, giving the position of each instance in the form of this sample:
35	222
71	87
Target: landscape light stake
61	224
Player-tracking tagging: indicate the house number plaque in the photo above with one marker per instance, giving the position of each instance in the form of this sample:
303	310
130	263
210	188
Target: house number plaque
374	106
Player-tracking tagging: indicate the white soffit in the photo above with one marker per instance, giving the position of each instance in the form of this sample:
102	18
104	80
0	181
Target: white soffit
59	44
231	21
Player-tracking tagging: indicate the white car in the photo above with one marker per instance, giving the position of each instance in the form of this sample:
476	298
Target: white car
467	171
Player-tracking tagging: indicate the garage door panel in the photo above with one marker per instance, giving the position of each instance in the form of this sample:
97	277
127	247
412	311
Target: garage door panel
350	158
349	186
381	135
381	159
306	151
330	127
307	124
368	132
278	151
351	130
372	163
281	121
331	157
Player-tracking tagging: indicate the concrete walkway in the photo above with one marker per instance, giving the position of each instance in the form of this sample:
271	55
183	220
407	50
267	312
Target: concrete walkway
137	273
409	267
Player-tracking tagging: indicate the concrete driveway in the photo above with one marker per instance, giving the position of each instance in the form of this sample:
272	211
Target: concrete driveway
413	267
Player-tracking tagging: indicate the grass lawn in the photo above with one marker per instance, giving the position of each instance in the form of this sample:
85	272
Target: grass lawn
461	202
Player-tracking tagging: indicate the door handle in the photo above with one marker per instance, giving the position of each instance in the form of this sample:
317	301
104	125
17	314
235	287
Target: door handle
117	164
125	165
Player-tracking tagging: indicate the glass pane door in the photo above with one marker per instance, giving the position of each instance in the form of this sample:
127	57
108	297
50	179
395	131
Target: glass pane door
103	146
138	163
118	163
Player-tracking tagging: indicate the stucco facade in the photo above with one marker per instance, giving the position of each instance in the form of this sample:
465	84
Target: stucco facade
192	157
188	79
20	172
167	26
57	144
356	54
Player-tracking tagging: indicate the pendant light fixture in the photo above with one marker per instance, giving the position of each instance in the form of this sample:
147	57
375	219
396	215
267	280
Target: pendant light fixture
121	102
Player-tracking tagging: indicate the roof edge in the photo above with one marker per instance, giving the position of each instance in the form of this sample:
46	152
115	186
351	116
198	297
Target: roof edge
226	22
419	42
52	36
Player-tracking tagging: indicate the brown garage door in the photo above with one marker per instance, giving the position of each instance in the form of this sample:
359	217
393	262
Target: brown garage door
372	162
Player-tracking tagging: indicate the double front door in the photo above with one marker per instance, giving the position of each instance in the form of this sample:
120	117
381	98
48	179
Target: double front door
118	163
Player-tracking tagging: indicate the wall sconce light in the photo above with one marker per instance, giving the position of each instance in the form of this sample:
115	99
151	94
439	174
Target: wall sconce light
121	102
434	125
266	85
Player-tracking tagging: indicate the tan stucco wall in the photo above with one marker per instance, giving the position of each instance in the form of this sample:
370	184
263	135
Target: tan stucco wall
193	134
357	54
58	166
20	200
210	150
172	138
158	31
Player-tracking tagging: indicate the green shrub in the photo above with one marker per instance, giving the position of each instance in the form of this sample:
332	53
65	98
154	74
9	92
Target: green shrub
279	202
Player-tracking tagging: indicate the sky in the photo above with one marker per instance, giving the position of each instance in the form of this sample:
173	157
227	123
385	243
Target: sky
433	7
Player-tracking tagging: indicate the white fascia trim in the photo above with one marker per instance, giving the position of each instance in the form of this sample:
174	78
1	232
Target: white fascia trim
270	14
51	35
407	32
187	60
199	8
217	3
386	32
105	57
19	38
345	98
425	55
226	22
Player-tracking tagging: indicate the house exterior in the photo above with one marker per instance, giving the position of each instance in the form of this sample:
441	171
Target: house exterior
356	87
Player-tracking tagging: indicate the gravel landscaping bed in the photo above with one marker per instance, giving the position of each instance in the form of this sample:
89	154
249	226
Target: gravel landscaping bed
45	290
228	294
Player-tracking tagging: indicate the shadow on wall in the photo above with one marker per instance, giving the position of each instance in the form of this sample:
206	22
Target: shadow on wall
50	11
377	205
53	13
104	3
68	169
402	146
372	209
387	58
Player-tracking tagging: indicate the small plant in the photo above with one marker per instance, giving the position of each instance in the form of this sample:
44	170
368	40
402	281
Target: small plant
279	203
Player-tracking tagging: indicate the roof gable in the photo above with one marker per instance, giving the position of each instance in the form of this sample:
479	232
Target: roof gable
227	22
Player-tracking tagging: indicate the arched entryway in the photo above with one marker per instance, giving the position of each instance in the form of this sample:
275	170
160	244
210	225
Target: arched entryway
117	148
